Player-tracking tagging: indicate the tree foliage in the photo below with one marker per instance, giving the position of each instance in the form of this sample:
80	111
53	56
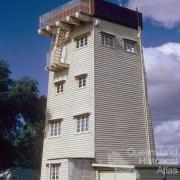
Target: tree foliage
22	115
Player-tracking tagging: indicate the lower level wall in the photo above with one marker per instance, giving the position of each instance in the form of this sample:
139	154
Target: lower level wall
81	169
63	174
70	169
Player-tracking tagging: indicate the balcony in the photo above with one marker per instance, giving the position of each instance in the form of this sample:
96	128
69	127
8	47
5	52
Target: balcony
68	9
56	62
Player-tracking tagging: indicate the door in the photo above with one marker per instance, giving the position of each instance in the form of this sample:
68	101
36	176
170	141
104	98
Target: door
117	176
63	54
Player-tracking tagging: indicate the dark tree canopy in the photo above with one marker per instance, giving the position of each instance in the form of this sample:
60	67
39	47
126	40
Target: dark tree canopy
5	81
22	115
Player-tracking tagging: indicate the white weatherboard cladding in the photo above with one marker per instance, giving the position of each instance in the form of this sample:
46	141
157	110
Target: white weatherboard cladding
63	170
117	176
139	174
73	101
113	96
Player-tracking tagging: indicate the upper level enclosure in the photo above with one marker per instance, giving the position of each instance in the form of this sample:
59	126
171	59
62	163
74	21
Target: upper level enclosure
96	8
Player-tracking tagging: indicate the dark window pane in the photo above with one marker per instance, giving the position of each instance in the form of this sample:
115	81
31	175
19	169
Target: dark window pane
84	82
86	41
80	82
77	43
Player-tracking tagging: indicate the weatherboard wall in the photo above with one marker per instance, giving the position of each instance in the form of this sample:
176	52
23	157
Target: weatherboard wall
113	97
119	104
73	101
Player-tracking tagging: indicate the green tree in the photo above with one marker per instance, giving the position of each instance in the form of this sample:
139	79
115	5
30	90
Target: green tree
22	115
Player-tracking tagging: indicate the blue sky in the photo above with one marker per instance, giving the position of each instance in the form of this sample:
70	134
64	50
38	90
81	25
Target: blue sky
20	43
25	51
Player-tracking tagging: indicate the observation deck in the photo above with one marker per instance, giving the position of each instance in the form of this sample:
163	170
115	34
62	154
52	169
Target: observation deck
96	8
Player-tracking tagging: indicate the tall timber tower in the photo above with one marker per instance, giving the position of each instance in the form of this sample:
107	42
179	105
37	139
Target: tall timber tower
97	110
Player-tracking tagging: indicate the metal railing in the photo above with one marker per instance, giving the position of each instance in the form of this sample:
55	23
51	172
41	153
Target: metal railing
49	59
67	9
52	58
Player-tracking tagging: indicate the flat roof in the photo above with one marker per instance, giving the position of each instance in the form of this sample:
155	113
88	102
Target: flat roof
117	14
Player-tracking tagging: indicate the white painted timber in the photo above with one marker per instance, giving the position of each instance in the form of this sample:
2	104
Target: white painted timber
117	176
113	97
71	102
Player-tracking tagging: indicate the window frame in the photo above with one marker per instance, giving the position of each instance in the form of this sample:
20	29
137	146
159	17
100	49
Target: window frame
55	127
53	169
107	40
132	45
81	41
82	80
59	87
82	123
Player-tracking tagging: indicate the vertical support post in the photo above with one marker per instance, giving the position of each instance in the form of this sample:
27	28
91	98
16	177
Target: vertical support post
57	36
97	175
144	90
49	175
55	57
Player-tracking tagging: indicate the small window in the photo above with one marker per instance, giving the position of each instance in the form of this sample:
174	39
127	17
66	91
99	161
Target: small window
82	81
82	41
55	171
59	87
82	123
130	46
55	128
14	178
107	40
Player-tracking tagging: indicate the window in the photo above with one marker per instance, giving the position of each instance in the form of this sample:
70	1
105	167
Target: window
59	87
63	54
55	171
14	178
107	40
82	123
130	46
82	41
55	128
82	81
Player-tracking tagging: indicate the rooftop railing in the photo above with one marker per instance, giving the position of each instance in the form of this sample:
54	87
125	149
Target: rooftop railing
67	9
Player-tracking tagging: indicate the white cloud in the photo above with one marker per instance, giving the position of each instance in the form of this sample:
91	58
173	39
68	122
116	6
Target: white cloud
163	67
166	133
167	139
163	72
165	12
163	63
